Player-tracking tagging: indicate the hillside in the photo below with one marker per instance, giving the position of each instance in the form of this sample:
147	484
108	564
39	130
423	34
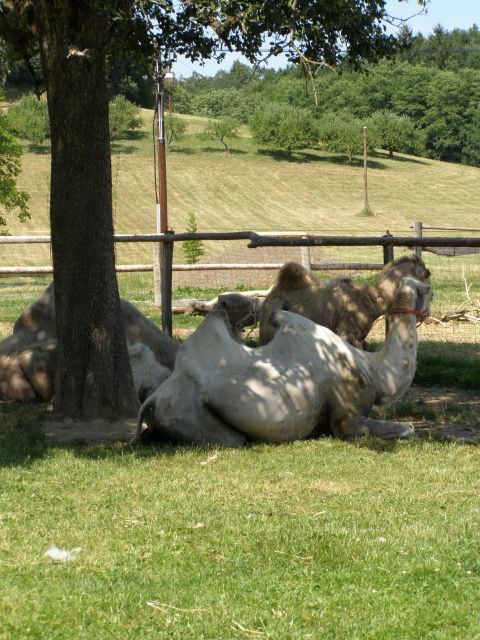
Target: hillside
254	189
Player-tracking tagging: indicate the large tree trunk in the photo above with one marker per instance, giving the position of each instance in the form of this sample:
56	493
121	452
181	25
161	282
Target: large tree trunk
94	377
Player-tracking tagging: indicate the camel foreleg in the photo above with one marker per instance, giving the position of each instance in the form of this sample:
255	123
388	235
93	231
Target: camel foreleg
386	429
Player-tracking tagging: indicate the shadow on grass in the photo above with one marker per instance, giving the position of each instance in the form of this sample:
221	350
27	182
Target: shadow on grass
375	160
305	157
22	441
208	150
39	149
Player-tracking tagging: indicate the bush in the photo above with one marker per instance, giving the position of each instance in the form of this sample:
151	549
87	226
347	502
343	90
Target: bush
284	127
174	129
342	134
28	120
193	249
124	116
393	133
221	130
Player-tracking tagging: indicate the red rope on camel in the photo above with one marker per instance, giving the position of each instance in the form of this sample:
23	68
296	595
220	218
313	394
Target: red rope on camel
399	310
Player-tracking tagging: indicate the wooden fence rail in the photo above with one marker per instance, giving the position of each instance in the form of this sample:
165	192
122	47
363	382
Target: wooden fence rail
386	241
444	250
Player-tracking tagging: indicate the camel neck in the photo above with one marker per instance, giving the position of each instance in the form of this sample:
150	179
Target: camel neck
397	358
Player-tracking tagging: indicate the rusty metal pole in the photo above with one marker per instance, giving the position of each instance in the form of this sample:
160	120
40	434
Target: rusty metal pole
162	292
162	220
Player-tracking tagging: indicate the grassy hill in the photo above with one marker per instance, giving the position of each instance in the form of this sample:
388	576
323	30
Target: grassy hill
252	188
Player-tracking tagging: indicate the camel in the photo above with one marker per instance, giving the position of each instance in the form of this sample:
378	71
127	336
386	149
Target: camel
37	322
305	382
347	308
28	357
28	374
148	373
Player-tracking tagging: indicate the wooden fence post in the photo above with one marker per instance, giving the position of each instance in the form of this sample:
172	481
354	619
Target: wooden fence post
418	233
166	293
305	257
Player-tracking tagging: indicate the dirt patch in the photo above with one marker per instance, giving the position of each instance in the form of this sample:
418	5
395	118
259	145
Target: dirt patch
91	431
463	428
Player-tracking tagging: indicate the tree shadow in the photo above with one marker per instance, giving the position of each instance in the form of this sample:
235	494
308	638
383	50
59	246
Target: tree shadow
23	440
39	149
401	159
122	149
303	157
294	157
375	160
209	150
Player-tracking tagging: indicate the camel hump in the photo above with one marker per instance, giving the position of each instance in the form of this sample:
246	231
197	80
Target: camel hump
293	276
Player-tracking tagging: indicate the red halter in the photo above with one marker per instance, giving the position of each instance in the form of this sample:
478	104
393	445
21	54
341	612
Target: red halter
420	314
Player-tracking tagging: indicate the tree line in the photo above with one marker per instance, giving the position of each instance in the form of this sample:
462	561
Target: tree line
425	100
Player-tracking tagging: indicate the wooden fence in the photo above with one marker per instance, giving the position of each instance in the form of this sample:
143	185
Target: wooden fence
165	263
418	228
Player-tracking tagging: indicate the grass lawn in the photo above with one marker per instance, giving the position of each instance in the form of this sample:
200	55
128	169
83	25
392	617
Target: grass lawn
319	539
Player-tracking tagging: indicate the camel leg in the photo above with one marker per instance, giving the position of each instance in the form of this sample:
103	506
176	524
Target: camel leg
386	429
348	422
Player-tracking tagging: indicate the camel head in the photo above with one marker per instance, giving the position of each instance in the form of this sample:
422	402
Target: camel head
413	294
396	269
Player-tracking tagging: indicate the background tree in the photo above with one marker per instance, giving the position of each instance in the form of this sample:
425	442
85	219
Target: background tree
93	375
222	130
20	46
393	133
11	199
284	128
124	116
449	98
342	134
28	120
175	129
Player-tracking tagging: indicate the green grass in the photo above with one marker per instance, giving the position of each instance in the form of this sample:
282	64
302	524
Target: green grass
319	539
452	367
252	188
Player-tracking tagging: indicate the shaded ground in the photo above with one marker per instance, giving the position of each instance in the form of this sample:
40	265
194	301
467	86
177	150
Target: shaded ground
95	431
463	427
457	417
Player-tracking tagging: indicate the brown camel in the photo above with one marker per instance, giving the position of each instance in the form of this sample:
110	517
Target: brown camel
347	308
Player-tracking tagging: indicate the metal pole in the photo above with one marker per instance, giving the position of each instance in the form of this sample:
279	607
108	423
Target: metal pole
161	157
162	210
166	268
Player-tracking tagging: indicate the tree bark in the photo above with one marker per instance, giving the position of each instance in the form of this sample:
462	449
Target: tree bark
94	378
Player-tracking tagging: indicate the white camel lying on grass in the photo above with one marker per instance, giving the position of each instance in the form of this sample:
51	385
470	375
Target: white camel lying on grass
305	382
